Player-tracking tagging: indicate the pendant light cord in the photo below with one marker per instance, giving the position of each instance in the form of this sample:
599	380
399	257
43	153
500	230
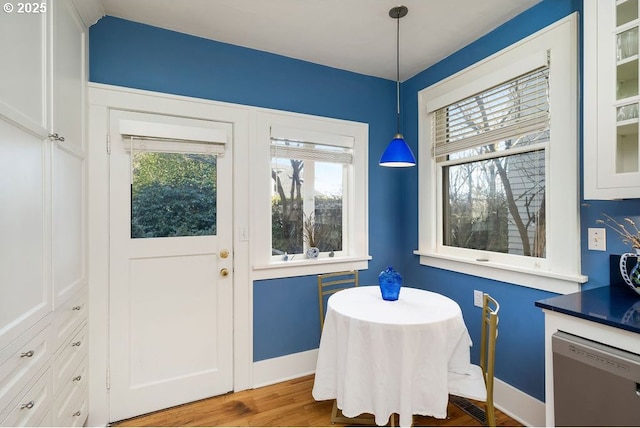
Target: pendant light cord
398	69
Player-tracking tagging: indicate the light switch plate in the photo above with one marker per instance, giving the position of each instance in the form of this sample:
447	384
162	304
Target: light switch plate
477	298
597	239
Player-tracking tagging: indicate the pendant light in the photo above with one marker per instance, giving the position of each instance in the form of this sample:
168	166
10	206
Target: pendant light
398	153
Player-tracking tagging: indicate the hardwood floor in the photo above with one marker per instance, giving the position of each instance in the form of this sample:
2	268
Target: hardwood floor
284	404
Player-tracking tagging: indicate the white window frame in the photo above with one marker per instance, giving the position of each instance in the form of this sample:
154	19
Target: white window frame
300	127
560	270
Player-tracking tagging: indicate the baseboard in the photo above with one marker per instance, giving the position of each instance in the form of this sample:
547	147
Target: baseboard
522	407
274	370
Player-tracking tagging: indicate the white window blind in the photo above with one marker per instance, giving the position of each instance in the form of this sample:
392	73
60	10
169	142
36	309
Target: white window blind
286	149
512	109
171	138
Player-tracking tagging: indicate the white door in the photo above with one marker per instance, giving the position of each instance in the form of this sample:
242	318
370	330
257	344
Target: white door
171	262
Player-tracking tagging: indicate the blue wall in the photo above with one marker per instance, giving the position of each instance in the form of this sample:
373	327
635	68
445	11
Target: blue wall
520	348
133	55
139	56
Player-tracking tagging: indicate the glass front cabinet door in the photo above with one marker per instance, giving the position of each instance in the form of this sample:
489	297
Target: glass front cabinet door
611	154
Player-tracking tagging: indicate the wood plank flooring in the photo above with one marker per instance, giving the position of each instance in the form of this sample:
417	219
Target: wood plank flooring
284	404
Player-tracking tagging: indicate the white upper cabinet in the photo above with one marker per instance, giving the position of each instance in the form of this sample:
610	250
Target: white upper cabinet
23	86
611	145
69	80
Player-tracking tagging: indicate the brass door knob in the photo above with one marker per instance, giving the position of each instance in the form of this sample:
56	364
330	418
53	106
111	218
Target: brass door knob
224	271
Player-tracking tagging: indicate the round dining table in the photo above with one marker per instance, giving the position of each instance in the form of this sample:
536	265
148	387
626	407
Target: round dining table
384	357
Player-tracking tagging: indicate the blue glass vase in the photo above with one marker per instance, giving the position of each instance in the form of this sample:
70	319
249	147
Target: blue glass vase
390	282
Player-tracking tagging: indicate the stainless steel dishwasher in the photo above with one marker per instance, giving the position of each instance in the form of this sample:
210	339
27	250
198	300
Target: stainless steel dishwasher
594	384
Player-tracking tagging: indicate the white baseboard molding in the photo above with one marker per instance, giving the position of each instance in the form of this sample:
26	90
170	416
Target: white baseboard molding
274	370
522	407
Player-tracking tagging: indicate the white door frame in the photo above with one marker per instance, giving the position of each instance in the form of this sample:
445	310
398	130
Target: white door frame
101	99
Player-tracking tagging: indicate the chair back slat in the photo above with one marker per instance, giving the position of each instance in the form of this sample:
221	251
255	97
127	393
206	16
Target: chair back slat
329	283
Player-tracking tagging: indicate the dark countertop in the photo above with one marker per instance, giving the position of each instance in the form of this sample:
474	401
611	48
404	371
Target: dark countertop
613	305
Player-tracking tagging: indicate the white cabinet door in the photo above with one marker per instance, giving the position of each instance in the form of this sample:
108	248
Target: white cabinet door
23	86
25	290
611	97
69	224
69	79
68	157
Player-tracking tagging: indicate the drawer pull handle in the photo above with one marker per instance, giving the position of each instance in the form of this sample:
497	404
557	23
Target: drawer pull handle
29	405
56	137
77	378
77	413
78	343
27	354
76	308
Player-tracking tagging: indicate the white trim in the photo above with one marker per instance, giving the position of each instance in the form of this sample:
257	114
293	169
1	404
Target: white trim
305	267
563	226
280	369
522	407
355	212
526	277
89	10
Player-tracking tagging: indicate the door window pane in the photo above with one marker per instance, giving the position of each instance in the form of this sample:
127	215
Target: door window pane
173	194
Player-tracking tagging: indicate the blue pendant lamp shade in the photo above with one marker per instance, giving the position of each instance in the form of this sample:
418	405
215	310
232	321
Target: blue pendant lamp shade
398	153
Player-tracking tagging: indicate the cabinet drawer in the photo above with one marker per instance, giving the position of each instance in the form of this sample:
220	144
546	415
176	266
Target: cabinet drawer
22	359
69	316
69	371
70	356
33	407
71	410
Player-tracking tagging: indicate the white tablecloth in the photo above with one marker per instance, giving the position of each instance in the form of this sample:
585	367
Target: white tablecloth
385	357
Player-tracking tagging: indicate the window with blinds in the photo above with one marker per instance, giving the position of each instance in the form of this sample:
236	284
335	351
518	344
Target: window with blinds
491	147
499	165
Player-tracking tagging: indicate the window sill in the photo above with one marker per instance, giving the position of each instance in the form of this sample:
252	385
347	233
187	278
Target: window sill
532	278
304	267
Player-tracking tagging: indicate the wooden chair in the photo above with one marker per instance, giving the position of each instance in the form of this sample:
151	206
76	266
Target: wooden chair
328	284
478	384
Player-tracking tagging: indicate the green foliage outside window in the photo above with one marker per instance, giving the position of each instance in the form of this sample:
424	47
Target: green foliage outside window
173	194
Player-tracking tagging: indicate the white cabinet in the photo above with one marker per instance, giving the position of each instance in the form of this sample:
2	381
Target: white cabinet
23	87
43	311
611	144
69	75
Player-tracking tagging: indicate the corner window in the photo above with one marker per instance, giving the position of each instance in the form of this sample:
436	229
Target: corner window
498	163
491	148
311	173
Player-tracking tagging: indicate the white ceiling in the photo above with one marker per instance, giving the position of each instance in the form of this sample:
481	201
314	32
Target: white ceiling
354	35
